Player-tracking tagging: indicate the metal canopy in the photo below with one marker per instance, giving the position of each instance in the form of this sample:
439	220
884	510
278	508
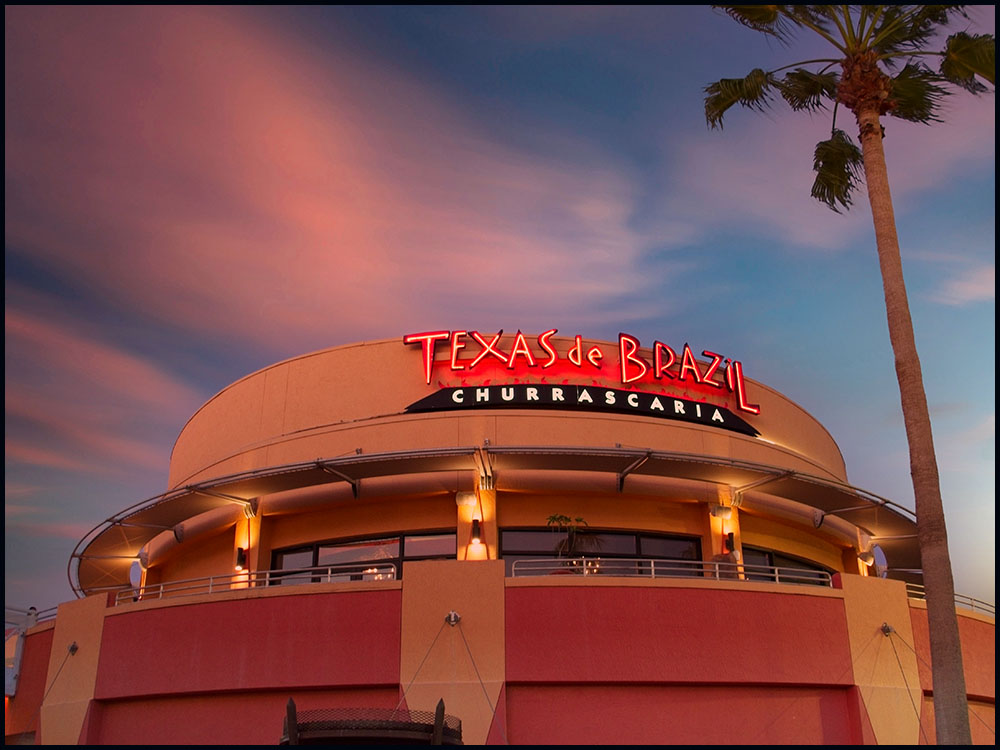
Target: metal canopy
105	554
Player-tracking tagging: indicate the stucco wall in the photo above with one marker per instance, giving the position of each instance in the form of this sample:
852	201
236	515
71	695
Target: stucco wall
337	400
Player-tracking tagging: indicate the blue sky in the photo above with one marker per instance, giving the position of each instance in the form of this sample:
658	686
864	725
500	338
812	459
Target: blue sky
193	194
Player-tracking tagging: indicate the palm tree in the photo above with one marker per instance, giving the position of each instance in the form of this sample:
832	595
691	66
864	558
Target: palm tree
878	68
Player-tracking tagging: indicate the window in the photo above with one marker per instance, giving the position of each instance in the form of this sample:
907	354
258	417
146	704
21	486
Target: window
360	559
613	552
758	563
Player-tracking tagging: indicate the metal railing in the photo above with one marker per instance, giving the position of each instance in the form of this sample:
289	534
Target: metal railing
20	619
917	591
645	568
344	573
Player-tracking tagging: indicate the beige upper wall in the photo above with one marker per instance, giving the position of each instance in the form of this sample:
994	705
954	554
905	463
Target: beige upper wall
334	401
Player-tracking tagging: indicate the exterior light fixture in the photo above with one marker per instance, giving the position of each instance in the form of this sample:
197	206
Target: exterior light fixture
477	531
724	512
868	558
241	559
465	499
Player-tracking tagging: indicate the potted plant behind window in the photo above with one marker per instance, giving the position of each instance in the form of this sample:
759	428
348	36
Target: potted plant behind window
577	542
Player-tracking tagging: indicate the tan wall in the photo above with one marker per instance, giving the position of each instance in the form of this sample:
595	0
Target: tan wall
334	401
808	544
72	674
603	512
885	672
213	555
462	664
364	518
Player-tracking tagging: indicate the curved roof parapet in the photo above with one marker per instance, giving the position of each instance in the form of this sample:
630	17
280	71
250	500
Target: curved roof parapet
104	556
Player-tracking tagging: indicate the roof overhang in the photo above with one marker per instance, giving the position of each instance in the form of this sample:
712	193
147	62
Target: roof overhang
103	557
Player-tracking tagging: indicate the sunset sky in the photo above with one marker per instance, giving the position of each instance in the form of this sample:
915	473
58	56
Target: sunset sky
192	194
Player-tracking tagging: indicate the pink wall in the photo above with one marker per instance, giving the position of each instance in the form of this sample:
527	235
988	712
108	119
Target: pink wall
225	719
21	712
679	714
675	635
978	653
286	642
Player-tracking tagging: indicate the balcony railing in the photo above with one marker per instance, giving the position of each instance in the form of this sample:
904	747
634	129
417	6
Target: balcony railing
916	591
15	618
623	567
644	568
344	573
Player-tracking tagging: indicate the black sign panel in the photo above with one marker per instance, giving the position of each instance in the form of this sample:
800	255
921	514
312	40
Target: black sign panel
585	398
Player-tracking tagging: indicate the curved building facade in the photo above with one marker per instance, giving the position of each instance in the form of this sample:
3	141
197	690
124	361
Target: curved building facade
565	540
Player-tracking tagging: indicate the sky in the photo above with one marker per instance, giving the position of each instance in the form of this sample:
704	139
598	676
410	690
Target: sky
192	194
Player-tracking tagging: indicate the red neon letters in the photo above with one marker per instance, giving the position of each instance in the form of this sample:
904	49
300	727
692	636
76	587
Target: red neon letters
633	368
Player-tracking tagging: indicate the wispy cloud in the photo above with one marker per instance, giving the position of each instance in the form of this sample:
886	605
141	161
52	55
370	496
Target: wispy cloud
58	529
82	403
969	286
347	198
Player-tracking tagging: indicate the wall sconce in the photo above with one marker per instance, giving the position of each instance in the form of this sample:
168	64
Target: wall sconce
731	542
465	499
724	512
868	558
477	531
241	559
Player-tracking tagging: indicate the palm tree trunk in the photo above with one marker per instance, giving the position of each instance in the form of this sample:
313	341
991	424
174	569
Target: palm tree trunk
951	713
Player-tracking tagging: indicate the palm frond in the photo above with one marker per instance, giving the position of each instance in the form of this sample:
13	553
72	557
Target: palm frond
910	27
767	19
752	92
819	16
915	94
805	90
969	55
838	166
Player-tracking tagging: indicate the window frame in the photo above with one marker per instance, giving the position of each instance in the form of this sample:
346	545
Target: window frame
400	538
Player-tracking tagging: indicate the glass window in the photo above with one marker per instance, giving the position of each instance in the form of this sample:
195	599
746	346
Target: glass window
361	559
756	564
606	544
670	548
759	565
294	560
607	552
430	545
352	552
545	542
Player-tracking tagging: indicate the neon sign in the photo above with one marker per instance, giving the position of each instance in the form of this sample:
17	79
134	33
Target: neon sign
665	367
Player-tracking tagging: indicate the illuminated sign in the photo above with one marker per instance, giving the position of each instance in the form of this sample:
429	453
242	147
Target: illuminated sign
582	398
471	353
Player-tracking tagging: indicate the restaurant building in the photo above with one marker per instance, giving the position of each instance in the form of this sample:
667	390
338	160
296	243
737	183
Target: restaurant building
564	540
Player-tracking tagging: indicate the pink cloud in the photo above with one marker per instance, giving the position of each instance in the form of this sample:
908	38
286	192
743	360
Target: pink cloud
72	356
80	397
220	174
60	530
52	459
971	285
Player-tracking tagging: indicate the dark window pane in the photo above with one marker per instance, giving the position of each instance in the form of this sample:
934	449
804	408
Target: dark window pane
757	563
375	549
793	570
670	549
542	542
605	544
294	560
430	545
